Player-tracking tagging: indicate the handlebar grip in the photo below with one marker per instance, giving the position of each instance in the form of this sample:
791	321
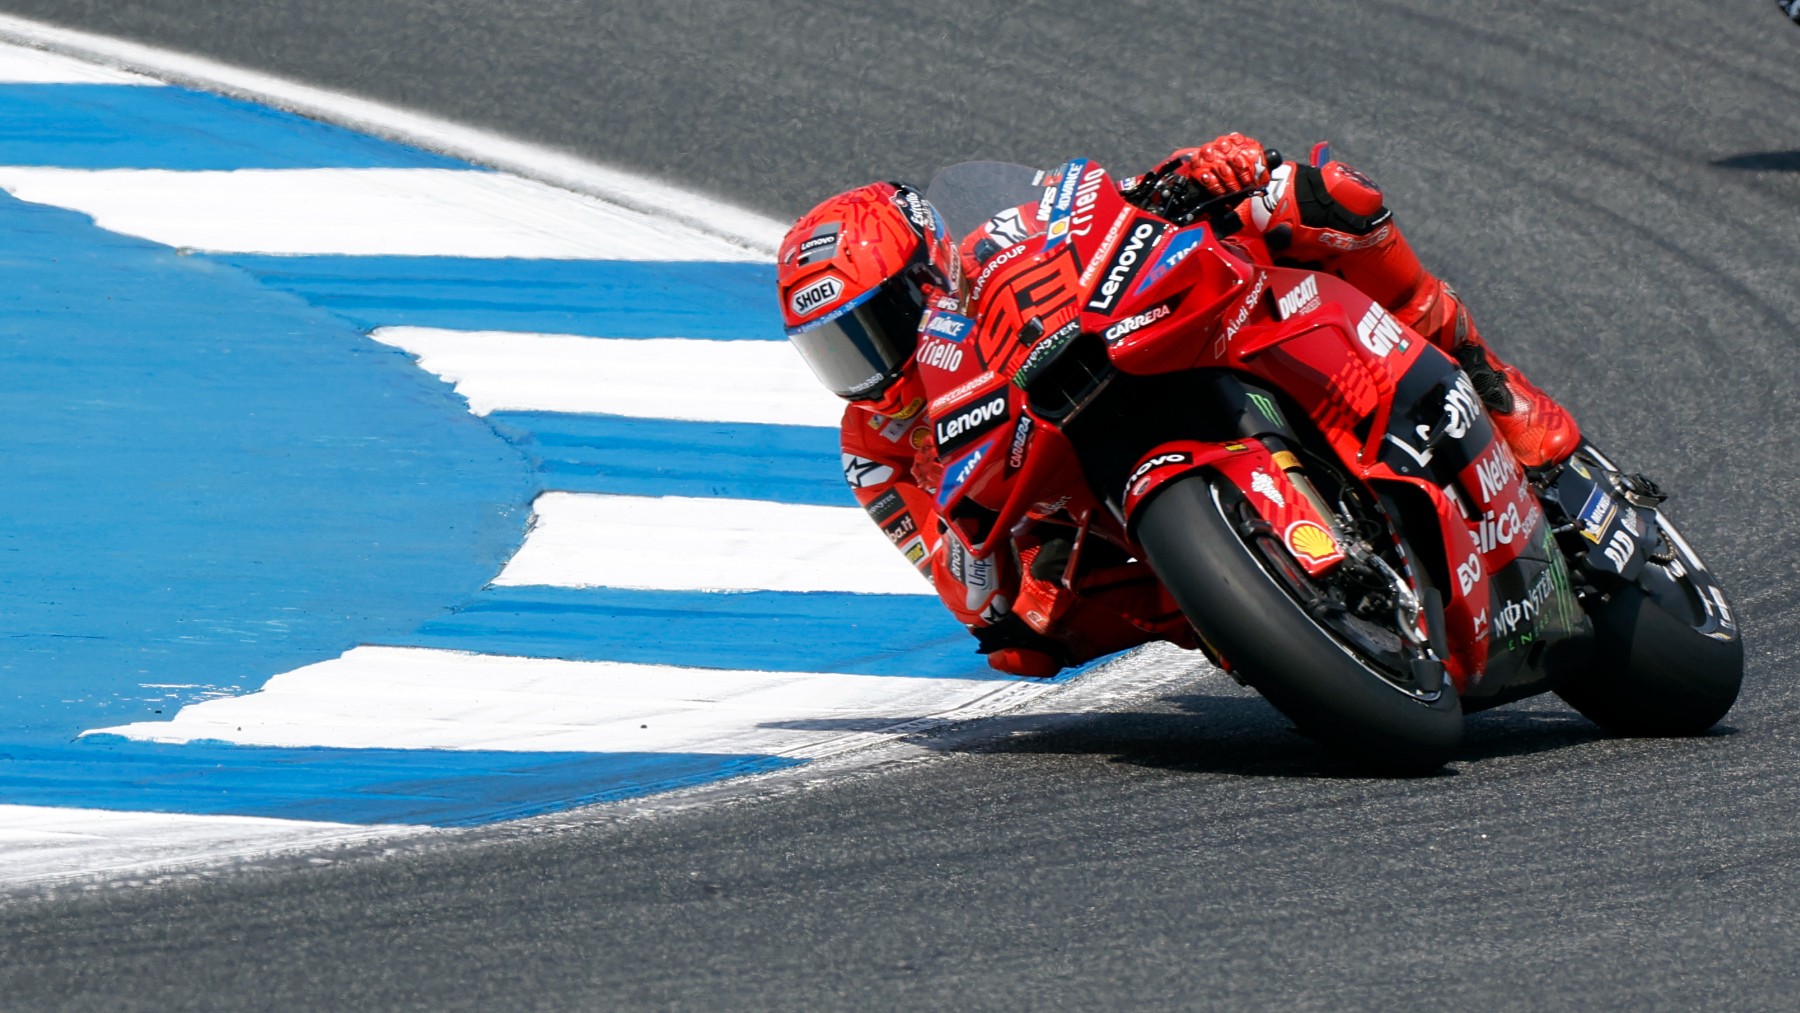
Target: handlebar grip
1272	159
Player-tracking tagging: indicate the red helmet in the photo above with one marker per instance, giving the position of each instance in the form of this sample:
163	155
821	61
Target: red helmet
854	275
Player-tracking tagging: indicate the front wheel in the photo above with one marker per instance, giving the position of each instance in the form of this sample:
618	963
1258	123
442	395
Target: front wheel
1669	656
1244	596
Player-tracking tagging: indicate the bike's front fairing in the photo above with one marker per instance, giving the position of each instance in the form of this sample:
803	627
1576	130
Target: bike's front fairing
1049	260
1062	265
1403	419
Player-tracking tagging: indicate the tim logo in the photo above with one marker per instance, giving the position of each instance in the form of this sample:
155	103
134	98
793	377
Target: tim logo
823	292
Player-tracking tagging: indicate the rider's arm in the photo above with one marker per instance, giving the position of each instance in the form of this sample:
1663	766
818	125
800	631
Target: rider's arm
878	460
895	483
1335	219
1332	218
891	466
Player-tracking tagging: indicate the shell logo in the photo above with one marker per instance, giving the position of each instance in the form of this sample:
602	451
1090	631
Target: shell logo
1311	543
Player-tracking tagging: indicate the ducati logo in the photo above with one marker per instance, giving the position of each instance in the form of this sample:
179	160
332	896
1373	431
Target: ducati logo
1302	298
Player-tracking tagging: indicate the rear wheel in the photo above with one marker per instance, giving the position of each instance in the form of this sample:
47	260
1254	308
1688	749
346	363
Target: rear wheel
1670	658
1338	672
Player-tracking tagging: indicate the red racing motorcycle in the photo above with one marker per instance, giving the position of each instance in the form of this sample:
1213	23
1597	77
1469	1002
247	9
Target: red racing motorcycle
1316	486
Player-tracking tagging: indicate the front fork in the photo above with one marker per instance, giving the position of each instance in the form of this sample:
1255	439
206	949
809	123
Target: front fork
1412	618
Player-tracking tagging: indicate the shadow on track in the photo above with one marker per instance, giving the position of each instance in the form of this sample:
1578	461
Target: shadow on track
1762	161
1218	734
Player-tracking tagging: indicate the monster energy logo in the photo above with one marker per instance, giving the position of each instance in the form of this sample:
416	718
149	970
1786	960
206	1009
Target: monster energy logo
1567	608
1267	407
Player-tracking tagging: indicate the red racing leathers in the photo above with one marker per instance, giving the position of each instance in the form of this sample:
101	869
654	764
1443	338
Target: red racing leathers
1329	218
1013	600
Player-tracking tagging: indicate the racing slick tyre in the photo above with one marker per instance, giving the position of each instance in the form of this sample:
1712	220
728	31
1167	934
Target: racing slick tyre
1232	584
1666	663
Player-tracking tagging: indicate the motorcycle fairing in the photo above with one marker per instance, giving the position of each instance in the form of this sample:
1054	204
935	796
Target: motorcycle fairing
1620	536
1260	475
1506	578
1399	411
958	473
1399	417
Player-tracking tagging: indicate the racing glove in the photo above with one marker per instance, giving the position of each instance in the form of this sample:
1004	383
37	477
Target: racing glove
1223	165
1012	646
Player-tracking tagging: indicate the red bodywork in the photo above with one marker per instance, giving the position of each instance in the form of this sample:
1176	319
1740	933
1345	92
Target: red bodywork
1393	412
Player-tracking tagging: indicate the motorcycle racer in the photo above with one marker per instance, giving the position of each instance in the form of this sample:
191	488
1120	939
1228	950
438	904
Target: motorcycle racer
865	273
861	276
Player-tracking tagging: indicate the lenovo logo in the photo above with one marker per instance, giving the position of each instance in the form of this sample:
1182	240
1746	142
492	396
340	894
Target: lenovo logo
970	421
1125	265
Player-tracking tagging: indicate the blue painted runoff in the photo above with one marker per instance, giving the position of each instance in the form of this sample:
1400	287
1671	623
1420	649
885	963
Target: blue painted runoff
777	631
208	483
443	788
121	126
663	457
595	298
212	476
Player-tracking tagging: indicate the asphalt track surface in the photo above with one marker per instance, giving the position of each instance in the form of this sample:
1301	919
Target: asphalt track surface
1612	185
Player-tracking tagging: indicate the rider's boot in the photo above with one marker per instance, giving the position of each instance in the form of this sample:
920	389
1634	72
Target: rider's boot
1539	431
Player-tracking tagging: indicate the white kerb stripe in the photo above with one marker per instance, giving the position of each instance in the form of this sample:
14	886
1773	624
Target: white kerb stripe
365	212
41	843
643	193
677	543
416	698
19	65
660	378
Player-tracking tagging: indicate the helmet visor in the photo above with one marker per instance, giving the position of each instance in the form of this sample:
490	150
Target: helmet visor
858	351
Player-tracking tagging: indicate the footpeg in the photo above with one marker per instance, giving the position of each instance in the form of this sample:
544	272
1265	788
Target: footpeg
1640	491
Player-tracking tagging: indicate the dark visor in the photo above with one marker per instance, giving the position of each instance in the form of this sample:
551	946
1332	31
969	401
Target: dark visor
859	351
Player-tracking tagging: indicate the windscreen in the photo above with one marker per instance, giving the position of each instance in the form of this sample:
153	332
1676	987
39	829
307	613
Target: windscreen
966	195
